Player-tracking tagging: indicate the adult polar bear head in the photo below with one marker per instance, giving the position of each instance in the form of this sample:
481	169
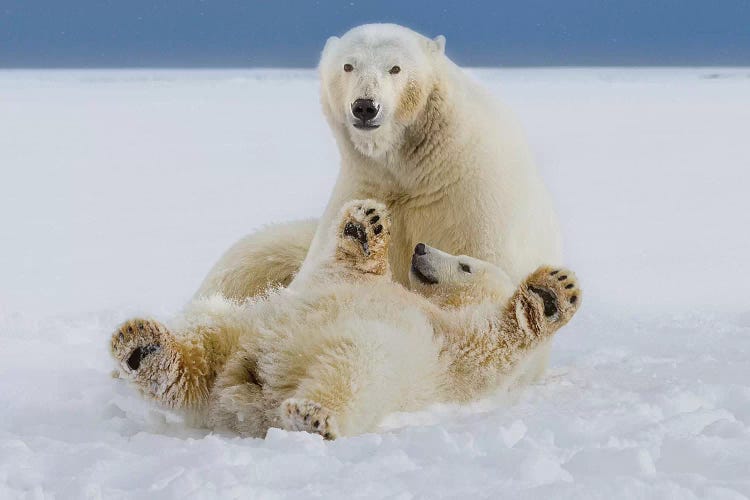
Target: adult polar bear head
376	80
447	158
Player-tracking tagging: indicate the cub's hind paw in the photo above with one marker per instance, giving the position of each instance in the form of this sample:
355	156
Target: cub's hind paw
308	416
147	354
136	341
556	292
363	233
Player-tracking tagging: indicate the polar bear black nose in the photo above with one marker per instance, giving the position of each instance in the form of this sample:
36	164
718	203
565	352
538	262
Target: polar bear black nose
420	249
365	109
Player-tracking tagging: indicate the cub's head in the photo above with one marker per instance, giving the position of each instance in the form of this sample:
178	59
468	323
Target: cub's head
375	80
455	280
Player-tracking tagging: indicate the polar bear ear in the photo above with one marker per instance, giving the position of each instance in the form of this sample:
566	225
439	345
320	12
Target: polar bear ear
330	43
439	44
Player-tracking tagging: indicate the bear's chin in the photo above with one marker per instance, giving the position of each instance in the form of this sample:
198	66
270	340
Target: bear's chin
373	143
368	146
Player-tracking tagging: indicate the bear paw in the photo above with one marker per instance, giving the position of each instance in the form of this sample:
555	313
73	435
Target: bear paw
146	353
308	416
552	297
364	230
365	222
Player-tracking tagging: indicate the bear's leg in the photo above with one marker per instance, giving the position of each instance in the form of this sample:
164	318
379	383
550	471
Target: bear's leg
160	365
267	258
342	393
542	304
178	368
237	403
362	238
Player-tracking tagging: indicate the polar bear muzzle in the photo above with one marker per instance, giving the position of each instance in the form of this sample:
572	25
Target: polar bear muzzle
365	111
421	268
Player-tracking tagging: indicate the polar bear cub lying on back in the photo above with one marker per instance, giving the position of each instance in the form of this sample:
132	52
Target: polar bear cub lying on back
344	346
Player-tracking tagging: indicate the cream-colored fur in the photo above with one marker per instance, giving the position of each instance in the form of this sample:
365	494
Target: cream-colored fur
268	258
345	345
450	163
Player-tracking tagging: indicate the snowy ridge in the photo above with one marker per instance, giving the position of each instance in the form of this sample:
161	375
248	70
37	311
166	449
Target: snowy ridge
118	191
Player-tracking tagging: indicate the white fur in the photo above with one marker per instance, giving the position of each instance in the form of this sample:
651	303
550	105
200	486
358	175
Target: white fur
450	163
345	345
475	191
359	336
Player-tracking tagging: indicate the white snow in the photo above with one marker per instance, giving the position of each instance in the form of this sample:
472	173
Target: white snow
118	189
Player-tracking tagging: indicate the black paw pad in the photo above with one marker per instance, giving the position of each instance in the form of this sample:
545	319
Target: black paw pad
357	231
549	299
139	354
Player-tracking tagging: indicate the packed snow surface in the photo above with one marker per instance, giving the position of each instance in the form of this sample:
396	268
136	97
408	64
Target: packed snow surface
118	190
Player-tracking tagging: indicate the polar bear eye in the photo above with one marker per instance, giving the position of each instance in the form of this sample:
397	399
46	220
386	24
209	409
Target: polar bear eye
465	268
395	70
348	68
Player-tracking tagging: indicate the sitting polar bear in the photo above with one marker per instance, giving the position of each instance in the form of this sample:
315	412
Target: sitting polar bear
345	345
434	147
418	134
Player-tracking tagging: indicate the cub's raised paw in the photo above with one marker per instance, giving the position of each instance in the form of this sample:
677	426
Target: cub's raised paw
550	297
308	416
365	222
363	233
147	354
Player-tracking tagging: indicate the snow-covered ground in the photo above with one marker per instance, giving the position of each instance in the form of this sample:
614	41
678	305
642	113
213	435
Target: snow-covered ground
119	189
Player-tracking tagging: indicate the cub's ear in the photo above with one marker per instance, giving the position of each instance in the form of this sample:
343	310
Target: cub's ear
439	44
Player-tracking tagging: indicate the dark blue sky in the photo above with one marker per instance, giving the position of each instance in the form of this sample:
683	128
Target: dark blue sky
188	33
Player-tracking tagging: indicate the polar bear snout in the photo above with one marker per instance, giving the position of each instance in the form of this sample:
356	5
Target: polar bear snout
365	111
421	267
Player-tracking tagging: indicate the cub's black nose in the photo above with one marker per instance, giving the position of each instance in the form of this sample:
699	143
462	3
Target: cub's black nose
420	249
365	109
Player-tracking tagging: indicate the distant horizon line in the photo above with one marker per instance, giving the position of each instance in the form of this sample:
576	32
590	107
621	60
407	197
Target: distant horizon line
307	68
